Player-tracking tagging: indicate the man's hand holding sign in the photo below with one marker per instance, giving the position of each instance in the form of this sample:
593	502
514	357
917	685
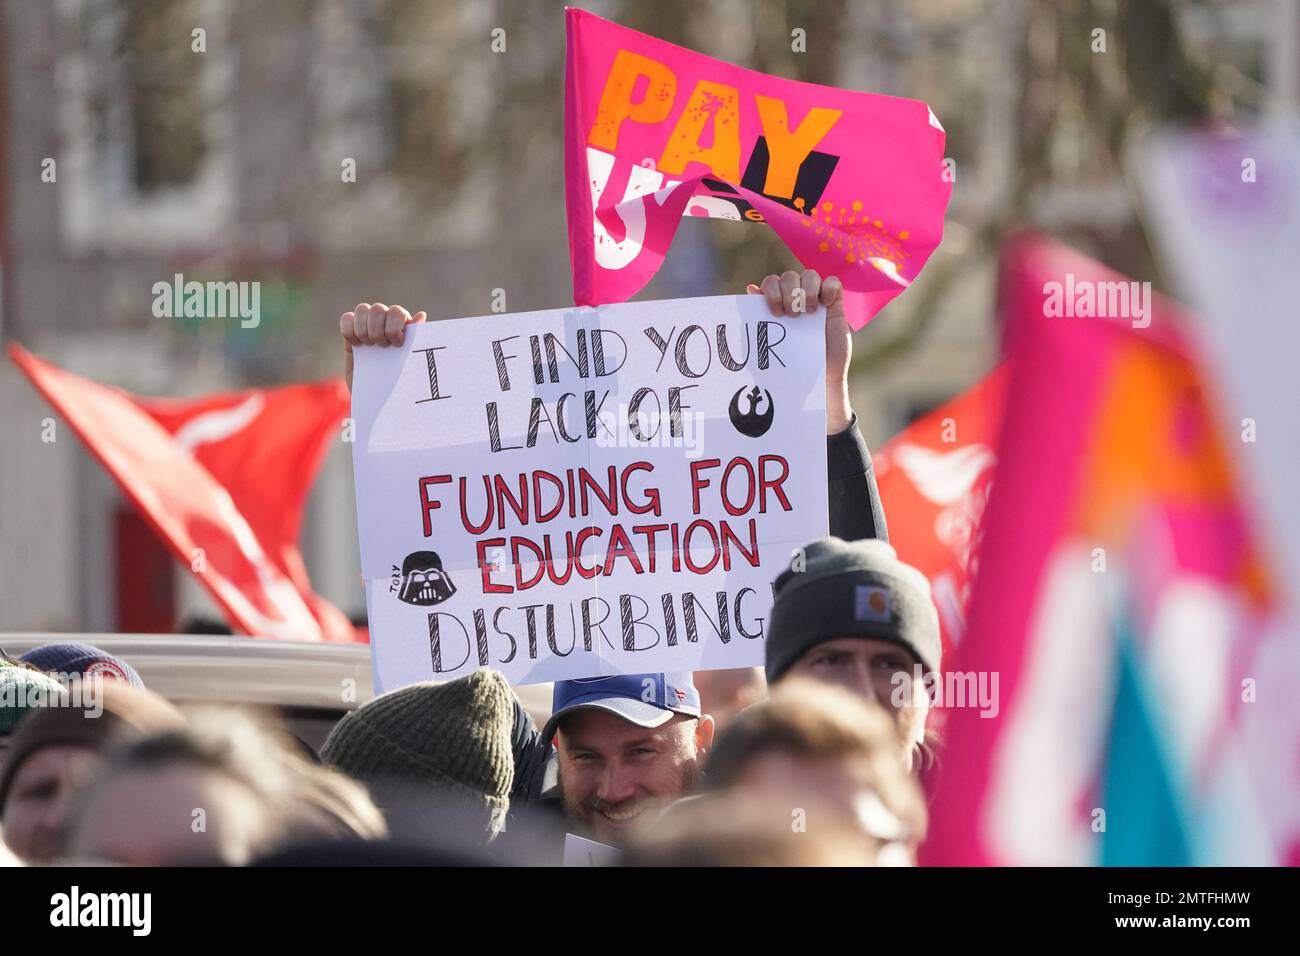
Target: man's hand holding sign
377	324
793	294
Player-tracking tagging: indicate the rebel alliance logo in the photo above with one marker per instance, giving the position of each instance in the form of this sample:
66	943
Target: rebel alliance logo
752	423
424	582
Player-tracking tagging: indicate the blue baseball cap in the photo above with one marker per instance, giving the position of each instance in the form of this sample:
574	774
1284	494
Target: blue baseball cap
647	700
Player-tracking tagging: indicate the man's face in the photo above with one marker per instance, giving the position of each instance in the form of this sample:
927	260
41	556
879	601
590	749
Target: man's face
880	670
40	802
615	775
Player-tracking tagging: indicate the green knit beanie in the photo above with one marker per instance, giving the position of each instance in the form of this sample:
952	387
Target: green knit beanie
452	738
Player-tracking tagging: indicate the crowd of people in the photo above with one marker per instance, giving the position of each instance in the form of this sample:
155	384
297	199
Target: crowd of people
814	759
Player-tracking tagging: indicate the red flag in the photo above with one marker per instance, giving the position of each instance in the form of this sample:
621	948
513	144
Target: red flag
222	480
934	479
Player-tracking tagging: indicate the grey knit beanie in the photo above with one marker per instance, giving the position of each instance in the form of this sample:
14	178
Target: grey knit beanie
850	589
450	739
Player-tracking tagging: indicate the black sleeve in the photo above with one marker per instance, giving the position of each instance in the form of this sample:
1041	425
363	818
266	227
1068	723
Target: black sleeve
855	509
530	755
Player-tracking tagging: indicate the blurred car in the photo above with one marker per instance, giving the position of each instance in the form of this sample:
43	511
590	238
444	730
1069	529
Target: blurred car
309	685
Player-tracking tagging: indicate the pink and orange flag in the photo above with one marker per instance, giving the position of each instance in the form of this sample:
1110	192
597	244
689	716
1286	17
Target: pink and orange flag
854	183
1124	603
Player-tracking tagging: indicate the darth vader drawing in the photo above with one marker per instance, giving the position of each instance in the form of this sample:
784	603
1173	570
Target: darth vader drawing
424	582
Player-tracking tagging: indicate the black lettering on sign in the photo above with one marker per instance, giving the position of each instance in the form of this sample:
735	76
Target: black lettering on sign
435	642
724	351
434	394
766	349
494	430
498	354
630	623
660	343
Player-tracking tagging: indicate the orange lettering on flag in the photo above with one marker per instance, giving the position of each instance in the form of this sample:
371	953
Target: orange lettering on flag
786	150
713	103
616	98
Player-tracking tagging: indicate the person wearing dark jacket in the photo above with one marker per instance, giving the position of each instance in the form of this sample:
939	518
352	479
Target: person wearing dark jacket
856	513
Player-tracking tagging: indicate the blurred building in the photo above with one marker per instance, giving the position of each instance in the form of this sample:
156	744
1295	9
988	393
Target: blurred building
218	139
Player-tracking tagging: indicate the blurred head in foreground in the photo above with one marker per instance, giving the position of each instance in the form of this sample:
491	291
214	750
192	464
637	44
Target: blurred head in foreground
436	758
850	613
221	791
819	756
735	829
628	746
56	749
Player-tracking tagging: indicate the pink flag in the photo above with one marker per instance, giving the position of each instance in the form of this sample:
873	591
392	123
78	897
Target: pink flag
1124	612
853	183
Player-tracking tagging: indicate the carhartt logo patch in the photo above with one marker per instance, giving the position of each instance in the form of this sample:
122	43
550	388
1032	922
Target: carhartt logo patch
871	603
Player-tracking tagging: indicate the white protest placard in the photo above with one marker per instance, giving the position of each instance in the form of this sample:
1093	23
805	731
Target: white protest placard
579	851
586	492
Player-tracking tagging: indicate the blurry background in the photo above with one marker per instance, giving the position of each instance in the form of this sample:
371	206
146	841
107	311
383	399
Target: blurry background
225	164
